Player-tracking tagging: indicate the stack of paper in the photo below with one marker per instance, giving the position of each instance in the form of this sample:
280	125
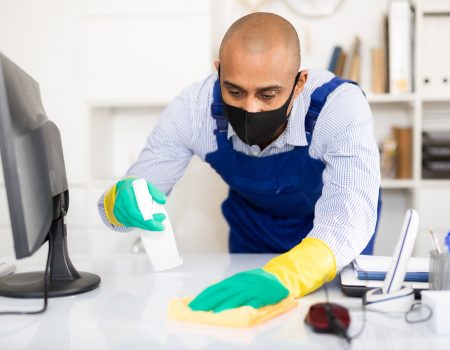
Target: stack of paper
370	267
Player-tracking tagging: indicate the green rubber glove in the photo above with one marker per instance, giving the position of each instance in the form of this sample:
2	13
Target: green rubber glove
256	288
122	210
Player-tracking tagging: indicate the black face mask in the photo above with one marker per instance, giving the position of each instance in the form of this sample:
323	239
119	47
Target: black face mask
256	128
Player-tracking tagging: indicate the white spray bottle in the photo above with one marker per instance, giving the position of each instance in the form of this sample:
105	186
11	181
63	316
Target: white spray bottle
161	246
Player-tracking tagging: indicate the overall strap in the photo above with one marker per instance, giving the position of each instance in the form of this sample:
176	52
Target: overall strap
217	111
318	99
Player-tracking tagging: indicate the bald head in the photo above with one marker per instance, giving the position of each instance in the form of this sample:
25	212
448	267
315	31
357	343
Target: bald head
259	60
262	35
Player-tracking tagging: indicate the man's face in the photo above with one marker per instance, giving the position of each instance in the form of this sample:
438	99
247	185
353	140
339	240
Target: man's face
258	82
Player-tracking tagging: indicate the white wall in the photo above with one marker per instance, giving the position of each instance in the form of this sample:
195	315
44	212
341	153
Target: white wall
98	62
317	36
106	69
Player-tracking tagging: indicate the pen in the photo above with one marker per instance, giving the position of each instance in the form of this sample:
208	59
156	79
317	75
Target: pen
435	241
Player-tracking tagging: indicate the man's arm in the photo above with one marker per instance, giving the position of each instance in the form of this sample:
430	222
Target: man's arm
346	213
166	154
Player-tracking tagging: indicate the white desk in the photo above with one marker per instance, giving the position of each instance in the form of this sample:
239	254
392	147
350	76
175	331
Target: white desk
129	311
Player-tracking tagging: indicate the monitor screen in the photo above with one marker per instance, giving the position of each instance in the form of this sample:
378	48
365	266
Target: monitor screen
36	188
33	162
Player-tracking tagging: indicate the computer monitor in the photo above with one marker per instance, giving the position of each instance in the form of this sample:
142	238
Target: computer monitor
36	188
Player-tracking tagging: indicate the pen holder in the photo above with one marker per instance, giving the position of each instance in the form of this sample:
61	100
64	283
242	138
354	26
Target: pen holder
439	271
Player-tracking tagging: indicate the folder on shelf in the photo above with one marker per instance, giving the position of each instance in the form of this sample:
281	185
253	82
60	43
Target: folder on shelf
400	46
436	155
371	267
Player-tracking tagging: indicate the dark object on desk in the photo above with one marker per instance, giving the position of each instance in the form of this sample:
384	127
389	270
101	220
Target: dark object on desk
37	189
328	318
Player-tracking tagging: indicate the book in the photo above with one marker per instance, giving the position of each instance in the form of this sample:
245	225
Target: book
378	70
403	139
354	69
334	58
372	267
388	151
385	33
340	64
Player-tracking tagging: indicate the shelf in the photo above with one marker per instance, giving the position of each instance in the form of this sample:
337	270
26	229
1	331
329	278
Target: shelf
88	184
435	183
411	184
436	98
135	103
406	98
397	184
435	8
391	98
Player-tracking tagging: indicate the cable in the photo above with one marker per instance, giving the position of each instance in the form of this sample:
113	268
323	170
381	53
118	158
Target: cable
418	306
335	323
339	328
364	319
44	307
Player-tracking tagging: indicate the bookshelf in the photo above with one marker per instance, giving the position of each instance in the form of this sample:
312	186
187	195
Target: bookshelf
427	108
418	103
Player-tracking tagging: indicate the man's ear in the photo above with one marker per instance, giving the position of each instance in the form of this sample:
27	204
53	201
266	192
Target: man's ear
301	82
216	64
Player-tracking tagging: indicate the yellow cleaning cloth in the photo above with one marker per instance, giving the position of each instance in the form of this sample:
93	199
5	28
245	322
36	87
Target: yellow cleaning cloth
244	316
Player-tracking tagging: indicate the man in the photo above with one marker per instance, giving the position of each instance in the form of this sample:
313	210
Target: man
297	150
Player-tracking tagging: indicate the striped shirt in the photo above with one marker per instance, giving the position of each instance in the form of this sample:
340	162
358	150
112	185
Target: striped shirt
343	139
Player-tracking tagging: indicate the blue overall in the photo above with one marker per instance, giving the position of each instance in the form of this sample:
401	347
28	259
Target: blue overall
270	206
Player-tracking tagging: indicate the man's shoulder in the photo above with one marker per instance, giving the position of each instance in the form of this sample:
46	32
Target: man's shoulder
346	106
319	77
316	78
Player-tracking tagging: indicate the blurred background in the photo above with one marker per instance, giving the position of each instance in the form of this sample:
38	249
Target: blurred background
107	68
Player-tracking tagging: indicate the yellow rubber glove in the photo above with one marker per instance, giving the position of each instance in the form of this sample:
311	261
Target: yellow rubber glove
305	267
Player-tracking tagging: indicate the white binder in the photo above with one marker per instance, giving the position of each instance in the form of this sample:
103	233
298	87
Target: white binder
400	46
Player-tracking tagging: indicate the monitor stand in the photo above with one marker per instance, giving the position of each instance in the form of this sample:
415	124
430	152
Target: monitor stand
64	279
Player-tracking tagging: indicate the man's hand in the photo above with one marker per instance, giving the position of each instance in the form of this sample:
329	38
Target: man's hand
121	207
298	272
256	288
